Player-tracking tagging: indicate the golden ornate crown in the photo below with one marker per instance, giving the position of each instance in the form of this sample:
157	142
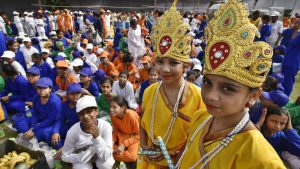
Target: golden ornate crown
170	37
230	50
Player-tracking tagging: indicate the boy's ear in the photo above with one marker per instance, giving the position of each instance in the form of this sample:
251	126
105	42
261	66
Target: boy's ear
255	95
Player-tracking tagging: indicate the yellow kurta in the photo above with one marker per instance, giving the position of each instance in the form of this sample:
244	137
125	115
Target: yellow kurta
192	102
248	150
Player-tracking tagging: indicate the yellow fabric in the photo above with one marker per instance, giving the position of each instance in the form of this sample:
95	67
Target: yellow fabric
2	115
248	150
162	119
256	22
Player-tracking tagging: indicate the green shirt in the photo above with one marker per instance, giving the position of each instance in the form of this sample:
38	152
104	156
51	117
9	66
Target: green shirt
67	51
2	83
294	110
103	105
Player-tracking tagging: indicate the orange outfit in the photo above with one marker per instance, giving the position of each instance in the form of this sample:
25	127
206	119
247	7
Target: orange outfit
103	27
62	84
126	131
60	22
121	67
111	54
68	22
117	61
143	75
107	68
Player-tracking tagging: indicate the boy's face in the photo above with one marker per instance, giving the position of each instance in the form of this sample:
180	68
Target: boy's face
27	44
32	78
60	35
88	116
105	88
45	55
275	123
122	79
8	60
74	96
43	91
146	65
84	79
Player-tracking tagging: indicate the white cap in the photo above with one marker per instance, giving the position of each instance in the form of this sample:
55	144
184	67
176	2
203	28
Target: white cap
77	62
99	51
52	33
195	61
15	13
275	13
26	39
196	41
30	14
197	67
25	13
44	37
8	54
44	50
62	54
85	102
89	46
108	11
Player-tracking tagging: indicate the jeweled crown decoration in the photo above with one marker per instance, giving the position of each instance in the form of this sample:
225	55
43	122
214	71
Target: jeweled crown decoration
230	50
170	37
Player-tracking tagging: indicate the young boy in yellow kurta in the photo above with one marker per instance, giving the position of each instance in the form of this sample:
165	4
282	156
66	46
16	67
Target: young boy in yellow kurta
235	68
168	106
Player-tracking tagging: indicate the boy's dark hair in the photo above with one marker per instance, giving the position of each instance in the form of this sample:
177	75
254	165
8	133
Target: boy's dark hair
266	18
276	110
191	72
120	101
10	43
128	59
36	55
124	73
151	69
270	84
107	80
9	70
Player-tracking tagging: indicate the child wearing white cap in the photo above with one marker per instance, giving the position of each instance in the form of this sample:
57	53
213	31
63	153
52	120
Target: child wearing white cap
9	58
89	140
88	52
27	51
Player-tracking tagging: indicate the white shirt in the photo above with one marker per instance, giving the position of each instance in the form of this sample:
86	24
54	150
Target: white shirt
40	25
277	28
186	20
50	62
136	44
19	68
194	24
80	147
91	57
27	54
2	25
127	93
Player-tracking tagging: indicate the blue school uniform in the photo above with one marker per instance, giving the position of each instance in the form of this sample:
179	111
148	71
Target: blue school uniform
277	58
17	99
144	86
30	92
287	140
265	32
45	70
20	58
67	119
287	36
255	112
44	117
291	65
93	88
2	43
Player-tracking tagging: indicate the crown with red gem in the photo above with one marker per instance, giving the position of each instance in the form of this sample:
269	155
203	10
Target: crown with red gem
230	50
170	36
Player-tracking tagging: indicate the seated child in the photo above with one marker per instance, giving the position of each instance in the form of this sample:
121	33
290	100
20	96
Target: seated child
285	142
147	63
45	69
152	78
47	108
126	134
191	76
103	99
90	140
86	81
124	88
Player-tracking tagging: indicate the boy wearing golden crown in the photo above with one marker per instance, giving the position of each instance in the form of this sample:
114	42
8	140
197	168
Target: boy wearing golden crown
235	68
168	106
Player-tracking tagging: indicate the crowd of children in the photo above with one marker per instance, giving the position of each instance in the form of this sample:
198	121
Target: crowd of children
93	92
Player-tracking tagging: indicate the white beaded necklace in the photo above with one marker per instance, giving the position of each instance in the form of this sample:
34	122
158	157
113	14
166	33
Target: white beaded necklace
224	142
166	137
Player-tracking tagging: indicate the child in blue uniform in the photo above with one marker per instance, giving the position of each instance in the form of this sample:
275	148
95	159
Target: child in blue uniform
68	117
46	110
265	30
15	84
33	75
277	119
45	68
86	81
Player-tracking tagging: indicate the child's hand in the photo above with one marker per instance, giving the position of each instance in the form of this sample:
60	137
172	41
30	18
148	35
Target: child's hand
289	123
93	130
29	134
262	119
55	139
